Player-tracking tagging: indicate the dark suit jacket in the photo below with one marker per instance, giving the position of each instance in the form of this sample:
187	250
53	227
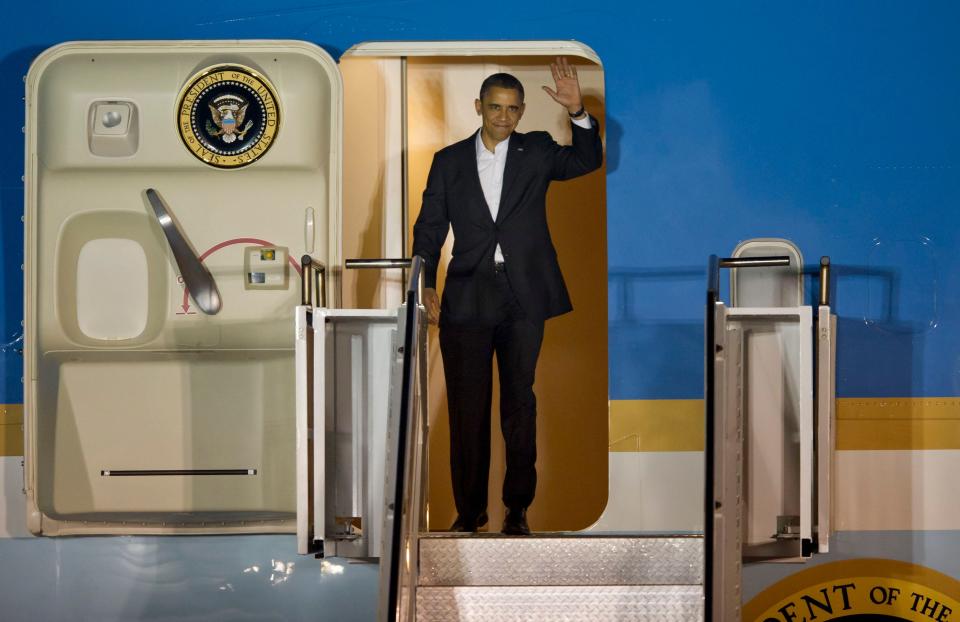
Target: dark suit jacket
453	196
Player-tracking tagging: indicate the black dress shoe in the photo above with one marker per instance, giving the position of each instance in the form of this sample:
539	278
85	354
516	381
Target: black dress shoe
515	523
467	525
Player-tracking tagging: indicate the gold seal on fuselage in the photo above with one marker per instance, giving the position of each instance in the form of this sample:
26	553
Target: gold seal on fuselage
228	115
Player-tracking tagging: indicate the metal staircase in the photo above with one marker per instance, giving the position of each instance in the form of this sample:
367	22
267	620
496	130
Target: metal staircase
362	464
361	476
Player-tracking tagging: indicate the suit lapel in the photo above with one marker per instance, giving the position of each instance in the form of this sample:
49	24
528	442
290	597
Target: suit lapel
468	160
515	159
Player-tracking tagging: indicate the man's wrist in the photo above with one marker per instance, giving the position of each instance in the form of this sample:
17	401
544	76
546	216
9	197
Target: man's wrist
578	113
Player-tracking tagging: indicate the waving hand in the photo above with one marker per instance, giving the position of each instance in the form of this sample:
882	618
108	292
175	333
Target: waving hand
567	92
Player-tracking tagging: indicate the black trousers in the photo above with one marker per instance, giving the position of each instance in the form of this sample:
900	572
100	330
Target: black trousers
468	352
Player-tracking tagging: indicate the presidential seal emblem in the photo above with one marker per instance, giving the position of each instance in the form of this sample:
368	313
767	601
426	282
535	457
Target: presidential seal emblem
858	590
228	115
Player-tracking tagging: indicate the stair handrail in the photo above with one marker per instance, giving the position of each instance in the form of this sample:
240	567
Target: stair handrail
714	264
404	502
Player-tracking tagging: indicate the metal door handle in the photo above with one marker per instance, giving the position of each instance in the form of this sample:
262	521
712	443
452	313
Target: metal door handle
195	275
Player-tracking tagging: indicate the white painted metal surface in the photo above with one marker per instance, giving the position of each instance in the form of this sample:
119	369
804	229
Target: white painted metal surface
345	417
636	477
196	409
728	449
916	489
826	406
767	287
13	503
390	49
322	473
302	351
778	424
356	372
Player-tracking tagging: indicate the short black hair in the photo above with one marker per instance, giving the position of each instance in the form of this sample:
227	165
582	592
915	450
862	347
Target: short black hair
502	80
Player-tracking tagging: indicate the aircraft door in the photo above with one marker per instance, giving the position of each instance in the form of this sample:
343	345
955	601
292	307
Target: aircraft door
170	187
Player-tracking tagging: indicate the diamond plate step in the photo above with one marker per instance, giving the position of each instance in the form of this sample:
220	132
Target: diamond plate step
565	603
561	561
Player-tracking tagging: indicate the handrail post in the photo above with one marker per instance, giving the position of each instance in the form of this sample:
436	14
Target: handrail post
415	283
713	275
305	264
313	282
320	290
825	281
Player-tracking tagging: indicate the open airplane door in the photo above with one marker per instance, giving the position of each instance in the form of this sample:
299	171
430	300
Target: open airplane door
160	269
768	422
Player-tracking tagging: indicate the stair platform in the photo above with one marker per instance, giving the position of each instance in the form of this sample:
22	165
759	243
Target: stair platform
560	576
680	603
560	559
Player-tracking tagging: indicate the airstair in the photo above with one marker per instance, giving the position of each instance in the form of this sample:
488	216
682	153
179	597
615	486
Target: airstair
760	380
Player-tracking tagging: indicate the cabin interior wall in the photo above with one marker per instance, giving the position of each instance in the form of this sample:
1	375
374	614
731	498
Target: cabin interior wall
372	185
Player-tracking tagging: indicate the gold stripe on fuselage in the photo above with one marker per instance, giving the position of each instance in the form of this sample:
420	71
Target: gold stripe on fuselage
656	425
898	423
862	424
11	429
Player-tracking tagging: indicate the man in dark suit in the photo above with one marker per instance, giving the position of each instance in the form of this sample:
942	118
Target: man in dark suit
502	283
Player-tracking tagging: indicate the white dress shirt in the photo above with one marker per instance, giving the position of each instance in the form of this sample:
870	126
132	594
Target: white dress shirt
490	166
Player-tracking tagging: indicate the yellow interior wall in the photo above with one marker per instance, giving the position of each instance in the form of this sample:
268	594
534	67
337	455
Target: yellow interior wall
364	162
572	378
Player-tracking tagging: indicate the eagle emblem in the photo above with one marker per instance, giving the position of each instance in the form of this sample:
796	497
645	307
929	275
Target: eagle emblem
228	112
228	116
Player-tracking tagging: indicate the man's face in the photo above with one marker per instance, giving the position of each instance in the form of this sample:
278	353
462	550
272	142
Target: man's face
501	110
